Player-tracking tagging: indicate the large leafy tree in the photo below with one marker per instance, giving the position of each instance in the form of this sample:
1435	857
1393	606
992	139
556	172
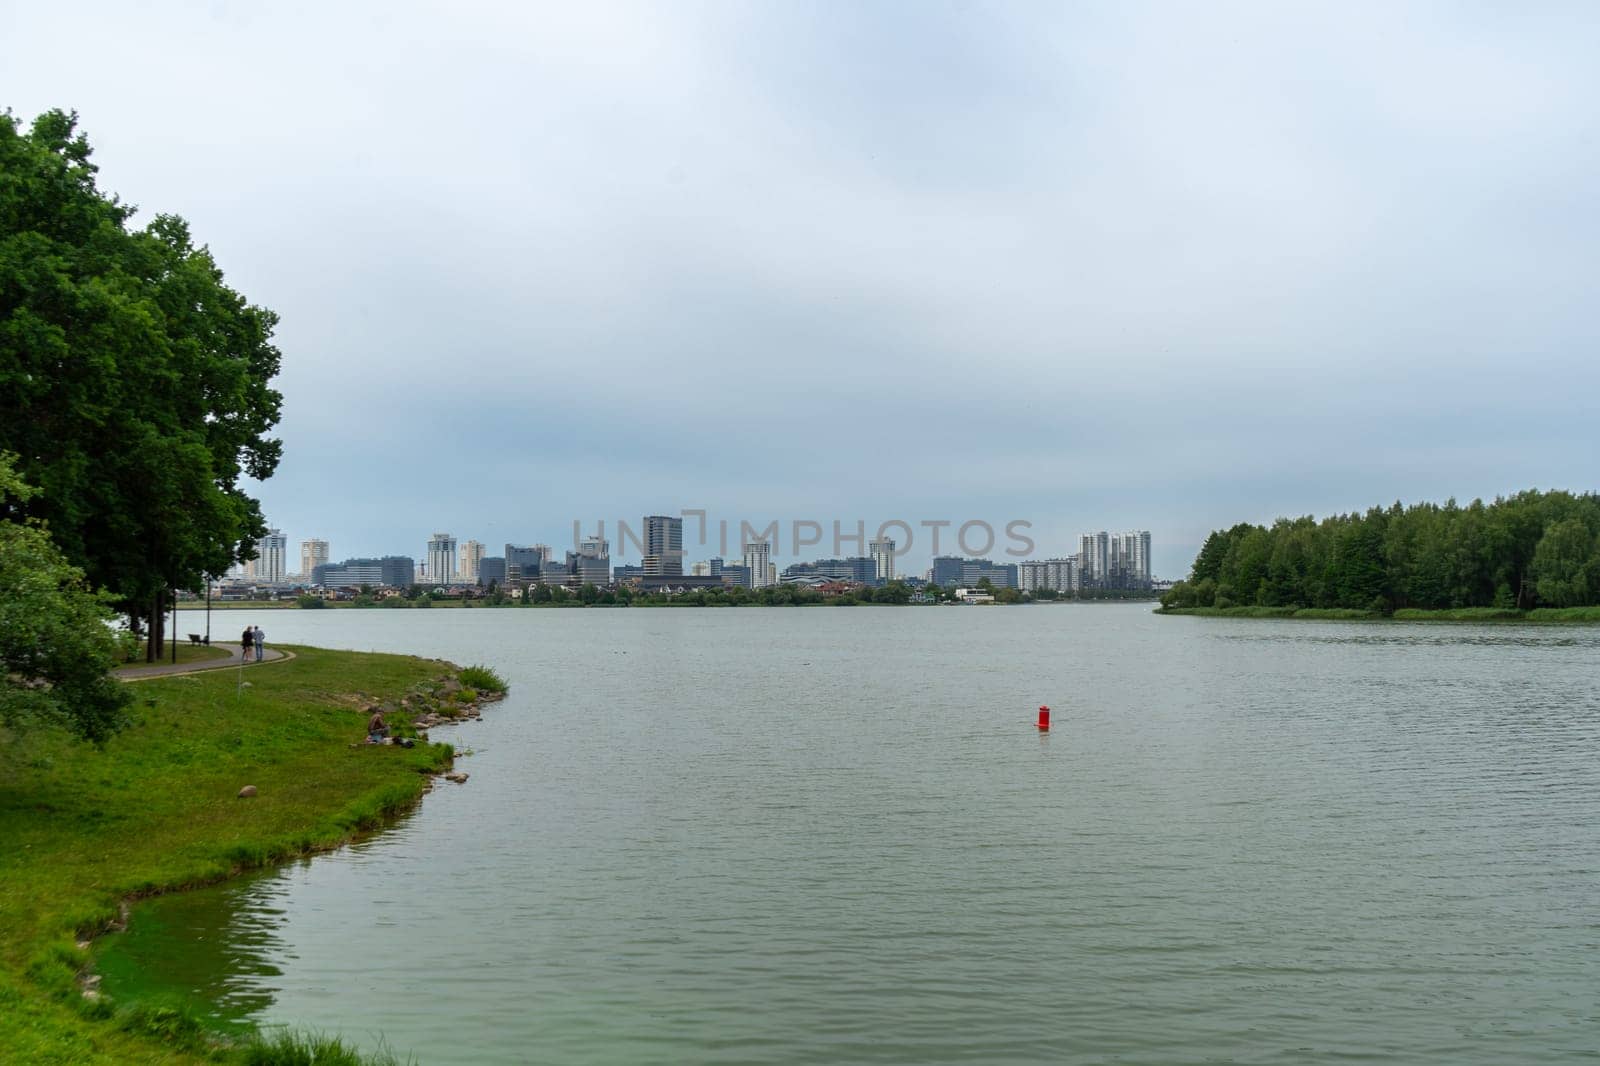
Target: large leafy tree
134	384
1565	564
55	647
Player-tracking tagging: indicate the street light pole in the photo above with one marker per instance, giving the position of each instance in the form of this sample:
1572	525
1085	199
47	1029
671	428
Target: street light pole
208	610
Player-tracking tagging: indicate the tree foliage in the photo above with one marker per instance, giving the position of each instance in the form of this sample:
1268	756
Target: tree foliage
55	647
134	384
1531	549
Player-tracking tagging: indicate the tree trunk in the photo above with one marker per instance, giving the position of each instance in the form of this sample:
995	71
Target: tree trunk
156	642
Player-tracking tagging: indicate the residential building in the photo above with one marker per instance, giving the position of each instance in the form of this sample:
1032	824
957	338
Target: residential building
442	559
472	553
1057	575
757	560
623	574
271	562
313	553
663	546
1094	557
735	575
1120	561
882	551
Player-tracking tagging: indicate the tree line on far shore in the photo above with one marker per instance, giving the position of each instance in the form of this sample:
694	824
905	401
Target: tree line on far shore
1534	549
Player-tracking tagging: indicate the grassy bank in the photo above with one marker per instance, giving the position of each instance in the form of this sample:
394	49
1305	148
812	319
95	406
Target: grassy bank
187	653
1546	615
82	829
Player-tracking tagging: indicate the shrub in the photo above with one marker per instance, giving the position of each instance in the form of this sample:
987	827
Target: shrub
482	678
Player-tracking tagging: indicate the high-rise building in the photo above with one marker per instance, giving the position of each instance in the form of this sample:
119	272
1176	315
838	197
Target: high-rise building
663	546
472	555
442	559
1120	561
591	563
492	571
313	553
1094	559
272	553
757	556
946	570
883	559
1136	550
523	564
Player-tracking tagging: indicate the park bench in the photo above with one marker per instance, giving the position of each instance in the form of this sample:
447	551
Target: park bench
196	638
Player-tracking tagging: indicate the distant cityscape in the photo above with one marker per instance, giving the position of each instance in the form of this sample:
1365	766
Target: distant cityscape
1104	562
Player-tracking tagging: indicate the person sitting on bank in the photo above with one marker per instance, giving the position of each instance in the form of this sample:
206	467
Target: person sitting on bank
377	728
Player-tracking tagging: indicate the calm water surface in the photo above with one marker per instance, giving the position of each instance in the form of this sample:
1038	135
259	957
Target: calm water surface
833	835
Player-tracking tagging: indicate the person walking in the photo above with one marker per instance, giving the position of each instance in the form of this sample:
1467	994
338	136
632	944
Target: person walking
246	643
261	643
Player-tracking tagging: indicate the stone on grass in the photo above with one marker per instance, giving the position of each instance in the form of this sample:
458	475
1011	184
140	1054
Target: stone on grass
247	792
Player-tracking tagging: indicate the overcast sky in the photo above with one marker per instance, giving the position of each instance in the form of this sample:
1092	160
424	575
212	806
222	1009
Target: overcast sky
1165	266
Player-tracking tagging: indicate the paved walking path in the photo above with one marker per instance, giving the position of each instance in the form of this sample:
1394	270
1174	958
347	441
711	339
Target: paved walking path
139	673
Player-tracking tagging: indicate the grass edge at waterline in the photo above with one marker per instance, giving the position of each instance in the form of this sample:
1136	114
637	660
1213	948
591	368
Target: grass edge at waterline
156	809
1536	616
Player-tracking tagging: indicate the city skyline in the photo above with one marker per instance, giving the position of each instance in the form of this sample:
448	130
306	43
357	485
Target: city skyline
1228	277
1104	560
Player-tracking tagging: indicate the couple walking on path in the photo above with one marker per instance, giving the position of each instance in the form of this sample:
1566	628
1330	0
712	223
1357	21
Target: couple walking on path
254	640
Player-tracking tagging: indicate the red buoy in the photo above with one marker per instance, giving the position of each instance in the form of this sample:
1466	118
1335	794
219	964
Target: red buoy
1044	719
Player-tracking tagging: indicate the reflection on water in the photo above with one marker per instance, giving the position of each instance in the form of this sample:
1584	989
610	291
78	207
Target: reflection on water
833	835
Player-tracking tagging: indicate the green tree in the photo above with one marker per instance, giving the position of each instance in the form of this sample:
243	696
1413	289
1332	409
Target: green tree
134	383
55	647
1564	564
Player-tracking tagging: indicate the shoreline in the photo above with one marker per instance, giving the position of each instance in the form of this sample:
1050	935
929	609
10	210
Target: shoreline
1539	616
97	830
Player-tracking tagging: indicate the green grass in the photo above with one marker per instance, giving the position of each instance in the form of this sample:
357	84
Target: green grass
481	678
186	606
1561	615
1325	614
187	653
1564	614
1460	614
82	829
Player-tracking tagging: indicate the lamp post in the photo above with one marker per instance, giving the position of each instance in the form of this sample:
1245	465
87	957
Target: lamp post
208	610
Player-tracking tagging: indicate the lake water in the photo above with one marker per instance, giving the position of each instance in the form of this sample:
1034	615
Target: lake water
834	835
